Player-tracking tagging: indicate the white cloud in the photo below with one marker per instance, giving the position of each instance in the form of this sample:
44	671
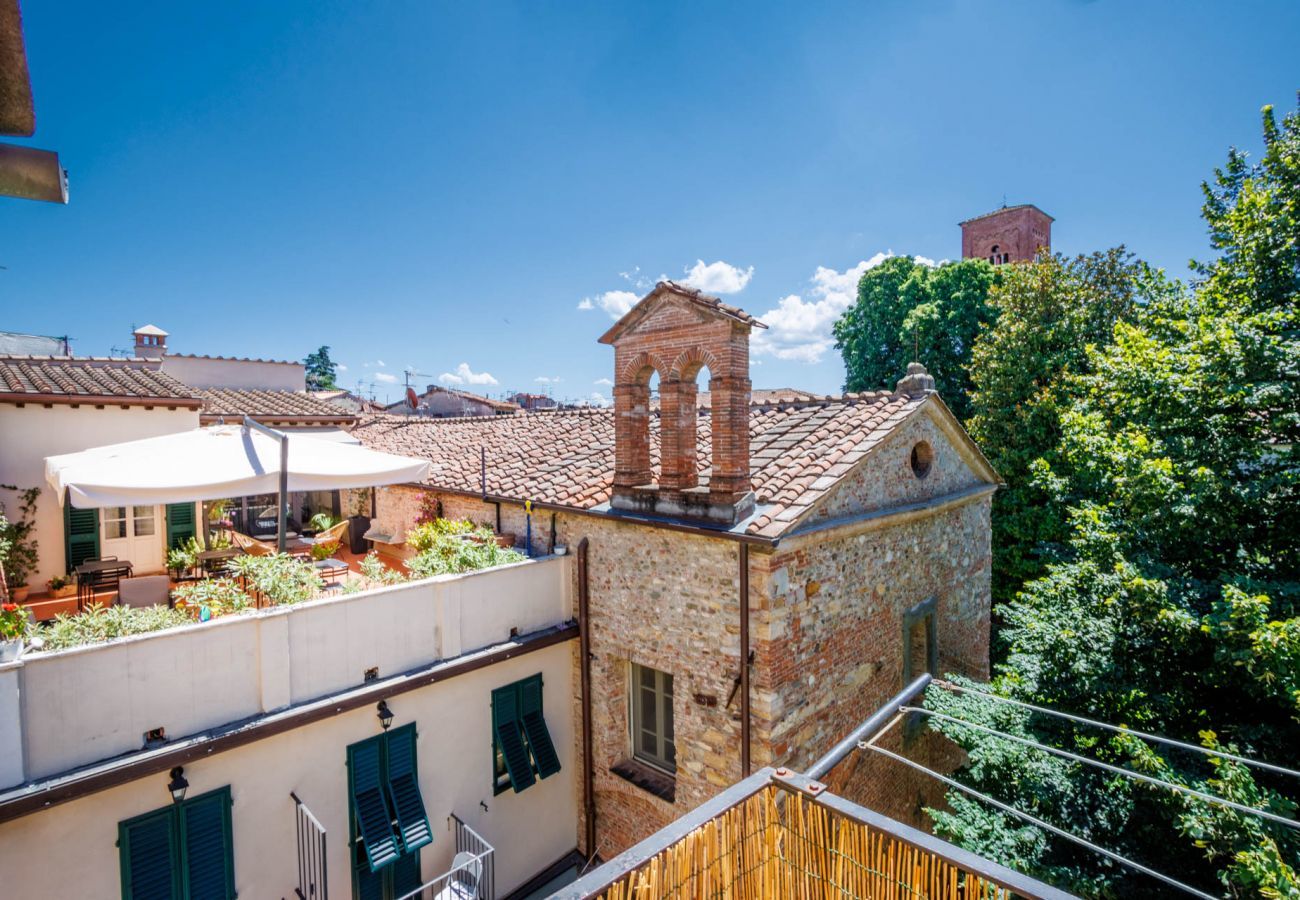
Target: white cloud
718	277
386	378
605	381
616	303
465	375
380	363
598	399
800	329
545	379
342	368
926	261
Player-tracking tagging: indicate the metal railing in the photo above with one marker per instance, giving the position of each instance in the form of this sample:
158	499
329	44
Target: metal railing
779	833
313	882
473	869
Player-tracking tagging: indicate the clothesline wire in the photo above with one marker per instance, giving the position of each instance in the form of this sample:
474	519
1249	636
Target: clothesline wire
1034	820
1118	770
1121	729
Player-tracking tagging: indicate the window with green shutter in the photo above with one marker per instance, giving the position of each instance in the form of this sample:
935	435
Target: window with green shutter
80	535
181	852
180	523
389	823
522	750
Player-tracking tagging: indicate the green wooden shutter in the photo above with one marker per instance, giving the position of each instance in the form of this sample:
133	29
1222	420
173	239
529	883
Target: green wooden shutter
180	523
148	853
206	852
539	738
406	874
80	535
369	805
505	724
404	790
368	885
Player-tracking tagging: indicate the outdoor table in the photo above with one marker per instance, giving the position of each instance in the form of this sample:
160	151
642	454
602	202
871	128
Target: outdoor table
331	568
102	571
209	560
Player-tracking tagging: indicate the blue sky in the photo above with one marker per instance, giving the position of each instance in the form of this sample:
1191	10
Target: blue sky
472	190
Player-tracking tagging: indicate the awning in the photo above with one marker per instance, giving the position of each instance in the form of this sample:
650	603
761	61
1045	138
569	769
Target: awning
216	463
337	435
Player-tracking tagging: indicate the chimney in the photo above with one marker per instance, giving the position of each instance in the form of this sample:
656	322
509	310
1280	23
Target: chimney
675	332
150	342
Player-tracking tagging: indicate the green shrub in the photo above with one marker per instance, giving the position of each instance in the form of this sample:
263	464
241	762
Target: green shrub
98	624
279	578
221	596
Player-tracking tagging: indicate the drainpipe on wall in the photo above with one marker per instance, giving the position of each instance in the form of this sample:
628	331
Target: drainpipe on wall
744	661
584	650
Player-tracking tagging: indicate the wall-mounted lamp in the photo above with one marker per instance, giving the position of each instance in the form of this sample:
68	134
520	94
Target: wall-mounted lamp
178	784
385	714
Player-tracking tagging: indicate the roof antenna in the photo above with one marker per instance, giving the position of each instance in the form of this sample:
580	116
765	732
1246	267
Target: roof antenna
1004	199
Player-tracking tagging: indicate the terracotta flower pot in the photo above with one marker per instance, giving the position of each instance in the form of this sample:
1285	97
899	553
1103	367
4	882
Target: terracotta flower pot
20	593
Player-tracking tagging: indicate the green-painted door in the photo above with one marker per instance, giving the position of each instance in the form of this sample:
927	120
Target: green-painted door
80	535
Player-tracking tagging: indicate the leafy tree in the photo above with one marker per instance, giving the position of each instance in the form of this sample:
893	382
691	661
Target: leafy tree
908	311
1048	314
1172	602
321	371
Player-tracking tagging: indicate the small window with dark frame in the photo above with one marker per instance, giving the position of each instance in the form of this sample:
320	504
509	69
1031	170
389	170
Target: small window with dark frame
652	718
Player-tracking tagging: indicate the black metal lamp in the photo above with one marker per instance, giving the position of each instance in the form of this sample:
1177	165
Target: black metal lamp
178	784
385	714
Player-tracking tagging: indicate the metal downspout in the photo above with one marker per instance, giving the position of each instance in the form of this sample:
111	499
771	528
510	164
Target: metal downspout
584	650
744	661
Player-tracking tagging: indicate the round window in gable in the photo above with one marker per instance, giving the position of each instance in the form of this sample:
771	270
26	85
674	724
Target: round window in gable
922	459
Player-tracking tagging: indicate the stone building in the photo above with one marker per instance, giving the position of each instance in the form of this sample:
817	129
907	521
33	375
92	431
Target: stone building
844	540
444	402
1009	234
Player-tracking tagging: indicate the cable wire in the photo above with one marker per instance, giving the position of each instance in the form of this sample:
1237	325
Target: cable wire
1121	729
1034	820
1209	798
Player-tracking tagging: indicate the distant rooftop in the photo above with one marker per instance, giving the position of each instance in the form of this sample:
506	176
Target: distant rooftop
270	405
13	343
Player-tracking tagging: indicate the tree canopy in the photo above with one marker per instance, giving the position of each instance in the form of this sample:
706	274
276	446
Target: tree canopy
321	371
1164	450
909	311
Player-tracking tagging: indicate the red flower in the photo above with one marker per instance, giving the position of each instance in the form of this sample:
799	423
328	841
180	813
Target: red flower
10	607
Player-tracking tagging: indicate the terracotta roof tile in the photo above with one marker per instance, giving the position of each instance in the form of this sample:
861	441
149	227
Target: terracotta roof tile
269	404
70	378
798	451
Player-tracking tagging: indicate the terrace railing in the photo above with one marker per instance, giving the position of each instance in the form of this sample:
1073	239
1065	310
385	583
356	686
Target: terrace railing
473	872
781	834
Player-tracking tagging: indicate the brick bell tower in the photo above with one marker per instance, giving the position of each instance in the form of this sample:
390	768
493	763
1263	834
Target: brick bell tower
676	331
1007	235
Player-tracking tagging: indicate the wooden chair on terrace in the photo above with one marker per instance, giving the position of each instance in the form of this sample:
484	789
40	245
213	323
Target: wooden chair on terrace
333	534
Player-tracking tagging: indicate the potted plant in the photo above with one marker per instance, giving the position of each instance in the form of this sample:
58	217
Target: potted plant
359	521
13	628
18	551
61	586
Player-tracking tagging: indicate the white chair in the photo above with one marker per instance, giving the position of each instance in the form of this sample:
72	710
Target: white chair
146	590
463	882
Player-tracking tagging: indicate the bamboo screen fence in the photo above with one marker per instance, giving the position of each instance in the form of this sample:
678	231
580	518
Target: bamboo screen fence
764	849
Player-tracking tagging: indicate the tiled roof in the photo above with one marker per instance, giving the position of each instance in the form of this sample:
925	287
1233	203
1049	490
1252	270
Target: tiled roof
798	451
69	379
269	404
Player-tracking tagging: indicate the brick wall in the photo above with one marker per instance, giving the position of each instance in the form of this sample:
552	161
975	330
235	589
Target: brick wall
1017	231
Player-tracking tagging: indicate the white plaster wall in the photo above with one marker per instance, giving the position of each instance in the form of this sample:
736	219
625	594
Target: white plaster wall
91	703
69	850
236	373
32	432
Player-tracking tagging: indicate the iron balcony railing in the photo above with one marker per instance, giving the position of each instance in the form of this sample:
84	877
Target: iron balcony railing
782	834
473	869
313	882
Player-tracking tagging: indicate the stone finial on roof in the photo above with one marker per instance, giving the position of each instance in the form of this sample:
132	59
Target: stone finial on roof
916	382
